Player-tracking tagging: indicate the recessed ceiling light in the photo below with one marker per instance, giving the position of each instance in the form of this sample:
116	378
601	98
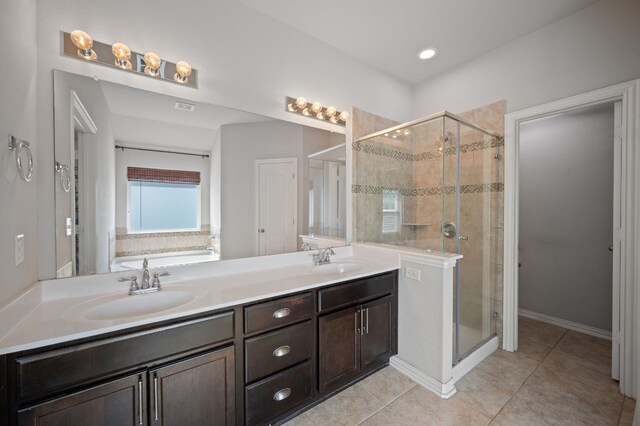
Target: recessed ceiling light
427	53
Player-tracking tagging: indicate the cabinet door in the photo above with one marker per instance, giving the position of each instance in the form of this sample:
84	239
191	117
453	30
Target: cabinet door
116	403
196	391
339	347
377	331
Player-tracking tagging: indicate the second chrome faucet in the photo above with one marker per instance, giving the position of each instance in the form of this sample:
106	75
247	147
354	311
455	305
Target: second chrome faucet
146	286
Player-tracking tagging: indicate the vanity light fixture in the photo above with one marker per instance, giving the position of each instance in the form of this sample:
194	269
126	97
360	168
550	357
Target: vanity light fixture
80	45
152	62
183	71
84	43
122	54
427	53
316	110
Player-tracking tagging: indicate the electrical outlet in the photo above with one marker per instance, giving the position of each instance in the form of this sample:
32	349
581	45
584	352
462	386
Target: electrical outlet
19	249
412	273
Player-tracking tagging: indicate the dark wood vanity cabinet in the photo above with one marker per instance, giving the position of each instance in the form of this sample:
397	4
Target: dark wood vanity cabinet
278	371
254	364
114	403
355	339
178	374
194	391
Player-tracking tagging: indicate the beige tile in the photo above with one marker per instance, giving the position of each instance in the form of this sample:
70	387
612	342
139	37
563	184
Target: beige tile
628	410
420	406
509	368
532	350
539	332
547	399
578	369
387	384
593	349
350	407
484	392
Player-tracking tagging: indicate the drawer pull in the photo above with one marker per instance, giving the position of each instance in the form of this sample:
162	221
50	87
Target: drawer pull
282	351
282	394
281	313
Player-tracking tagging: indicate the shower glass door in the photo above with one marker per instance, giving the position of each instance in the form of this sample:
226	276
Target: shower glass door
471	204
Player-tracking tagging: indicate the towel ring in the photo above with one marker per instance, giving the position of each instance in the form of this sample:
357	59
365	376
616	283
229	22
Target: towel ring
62	170
20	146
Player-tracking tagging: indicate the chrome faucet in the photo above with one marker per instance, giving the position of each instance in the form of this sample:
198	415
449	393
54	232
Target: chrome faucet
322	257
144	288
145	274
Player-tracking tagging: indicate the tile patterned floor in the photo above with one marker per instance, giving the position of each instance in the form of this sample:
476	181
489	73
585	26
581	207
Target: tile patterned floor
558	377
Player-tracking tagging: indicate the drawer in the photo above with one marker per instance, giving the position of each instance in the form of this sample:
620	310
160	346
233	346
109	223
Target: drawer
49	371
274	396
277	350
275	313
343	295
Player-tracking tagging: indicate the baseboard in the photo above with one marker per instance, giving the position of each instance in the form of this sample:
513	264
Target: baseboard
475	358
592	331
443	390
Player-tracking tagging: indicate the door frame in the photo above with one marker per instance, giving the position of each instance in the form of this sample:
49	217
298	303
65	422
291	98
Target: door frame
256	197
629	234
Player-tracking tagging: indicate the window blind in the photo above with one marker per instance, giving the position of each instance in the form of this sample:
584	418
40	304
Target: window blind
143	174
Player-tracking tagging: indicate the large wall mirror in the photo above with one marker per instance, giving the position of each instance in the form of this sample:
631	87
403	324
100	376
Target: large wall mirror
141	174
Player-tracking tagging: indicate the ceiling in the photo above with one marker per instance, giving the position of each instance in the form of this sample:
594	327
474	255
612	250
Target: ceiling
387	35
151	119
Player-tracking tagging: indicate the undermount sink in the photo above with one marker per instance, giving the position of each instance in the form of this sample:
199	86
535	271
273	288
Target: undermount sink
123	306
336	268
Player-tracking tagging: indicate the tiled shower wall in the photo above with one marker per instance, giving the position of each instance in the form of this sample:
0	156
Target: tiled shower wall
414	165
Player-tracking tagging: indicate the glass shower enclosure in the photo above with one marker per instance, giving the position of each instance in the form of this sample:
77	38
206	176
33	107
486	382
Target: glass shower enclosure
434	184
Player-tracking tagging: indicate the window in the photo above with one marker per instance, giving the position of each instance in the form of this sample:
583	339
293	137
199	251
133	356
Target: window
154	195
391	211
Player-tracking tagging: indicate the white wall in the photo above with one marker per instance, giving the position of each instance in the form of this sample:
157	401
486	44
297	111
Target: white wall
18	208
245	60
566	216
241	145
99	178
596	47
157	160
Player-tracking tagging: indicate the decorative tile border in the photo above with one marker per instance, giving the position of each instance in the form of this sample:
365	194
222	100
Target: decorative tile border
428	191
159	251
427	155
144	235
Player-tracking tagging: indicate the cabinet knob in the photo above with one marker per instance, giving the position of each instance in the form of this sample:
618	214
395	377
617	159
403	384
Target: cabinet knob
282	351
282	394
281	313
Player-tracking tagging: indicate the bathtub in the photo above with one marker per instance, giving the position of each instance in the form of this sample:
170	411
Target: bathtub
163	260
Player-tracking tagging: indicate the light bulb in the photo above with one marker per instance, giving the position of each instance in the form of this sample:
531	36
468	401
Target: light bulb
183	71
386	134
395	136
333	119
306	112
406	132
153	63
316	107
301	102
344	116
330	112
292	107
84	43
122	54
320	116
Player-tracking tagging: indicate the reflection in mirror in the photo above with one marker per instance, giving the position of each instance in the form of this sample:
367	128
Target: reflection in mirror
176	181
327	198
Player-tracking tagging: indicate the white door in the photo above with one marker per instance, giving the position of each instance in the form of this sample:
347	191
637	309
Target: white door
277	205
616	244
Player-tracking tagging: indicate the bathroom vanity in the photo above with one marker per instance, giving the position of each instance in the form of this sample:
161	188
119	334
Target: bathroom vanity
259	361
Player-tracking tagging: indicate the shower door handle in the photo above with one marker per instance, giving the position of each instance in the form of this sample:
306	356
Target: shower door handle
463	238
261	230
611	249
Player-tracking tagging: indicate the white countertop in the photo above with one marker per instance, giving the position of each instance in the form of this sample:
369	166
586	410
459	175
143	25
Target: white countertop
52	320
